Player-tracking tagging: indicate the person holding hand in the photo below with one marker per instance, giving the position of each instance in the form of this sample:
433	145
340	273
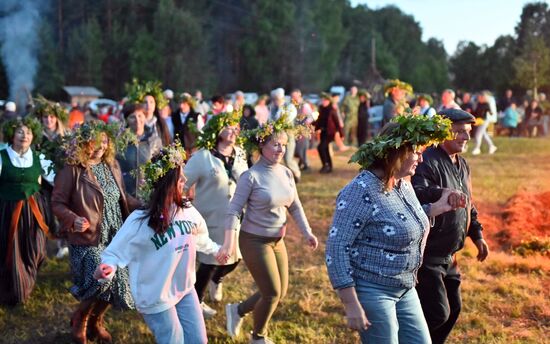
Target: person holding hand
158	244
439	278
376	241
90	202
267	190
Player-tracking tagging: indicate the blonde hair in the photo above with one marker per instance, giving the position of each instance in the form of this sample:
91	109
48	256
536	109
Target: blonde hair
82	151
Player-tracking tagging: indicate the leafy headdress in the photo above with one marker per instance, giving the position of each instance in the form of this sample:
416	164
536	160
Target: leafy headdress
44	107
10	126
207	139
396	83
169	157
75	144
137	91
416	130
254	137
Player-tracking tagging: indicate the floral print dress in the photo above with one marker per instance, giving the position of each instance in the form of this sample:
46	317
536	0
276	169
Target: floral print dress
85	259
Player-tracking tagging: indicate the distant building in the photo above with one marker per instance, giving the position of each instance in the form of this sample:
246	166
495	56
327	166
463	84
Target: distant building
82	94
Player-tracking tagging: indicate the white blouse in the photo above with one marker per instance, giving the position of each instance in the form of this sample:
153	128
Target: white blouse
25	161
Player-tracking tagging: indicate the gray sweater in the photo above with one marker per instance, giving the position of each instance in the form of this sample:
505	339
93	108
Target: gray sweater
267	190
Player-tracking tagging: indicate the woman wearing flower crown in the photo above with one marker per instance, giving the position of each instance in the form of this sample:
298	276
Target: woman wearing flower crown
54	118
136	155
378	234
23	214
267	190
158	243
90	202
214	171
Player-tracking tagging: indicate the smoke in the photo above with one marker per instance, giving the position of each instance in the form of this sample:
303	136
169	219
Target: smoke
19	25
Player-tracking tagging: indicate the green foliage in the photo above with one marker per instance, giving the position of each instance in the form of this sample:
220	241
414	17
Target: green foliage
75	148
184	64
169	158
210	132
86	54
9	127
257	45
533	246
49	78
414	130
44	107
144	56
136	92
396	83
532	67
253	138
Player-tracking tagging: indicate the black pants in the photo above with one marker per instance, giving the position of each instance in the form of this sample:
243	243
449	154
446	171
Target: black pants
323	149
362	129
207	272
439	292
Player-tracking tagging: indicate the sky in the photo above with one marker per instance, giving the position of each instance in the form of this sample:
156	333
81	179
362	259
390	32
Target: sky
452	21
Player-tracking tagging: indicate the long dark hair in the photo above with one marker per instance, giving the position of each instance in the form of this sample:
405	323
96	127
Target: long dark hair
165	193
163	128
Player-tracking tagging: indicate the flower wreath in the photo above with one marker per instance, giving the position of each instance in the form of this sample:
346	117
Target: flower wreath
44	107
73	144
207	138
417	130
169	157
393	83
254	137
137	92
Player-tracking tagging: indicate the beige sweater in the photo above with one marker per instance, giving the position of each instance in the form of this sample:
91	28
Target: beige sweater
213	191
267	190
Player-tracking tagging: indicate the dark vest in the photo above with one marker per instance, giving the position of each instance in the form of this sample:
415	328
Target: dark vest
17	183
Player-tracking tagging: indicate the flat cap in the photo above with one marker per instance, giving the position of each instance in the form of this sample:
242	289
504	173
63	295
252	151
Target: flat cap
457	116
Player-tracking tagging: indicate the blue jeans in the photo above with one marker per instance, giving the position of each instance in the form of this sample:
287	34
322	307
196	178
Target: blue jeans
182	323
395	315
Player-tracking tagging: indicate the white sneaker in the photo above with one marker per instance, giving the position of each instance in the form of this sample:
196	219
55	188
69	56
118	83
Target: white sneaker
492	149
62	252
207	311
216	291
476	151
233	320
263	340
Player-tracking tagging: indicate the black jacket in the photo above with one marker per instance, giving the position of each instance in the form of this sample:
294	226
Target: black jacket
182	130
451	228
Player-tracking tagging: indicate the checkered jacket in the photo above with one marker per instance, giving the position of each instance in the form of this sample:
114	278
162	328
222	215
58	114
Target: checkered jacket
376	236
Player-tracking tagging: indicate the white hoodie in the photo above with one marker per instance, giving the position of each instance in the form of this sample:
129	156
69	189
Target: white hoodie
161	267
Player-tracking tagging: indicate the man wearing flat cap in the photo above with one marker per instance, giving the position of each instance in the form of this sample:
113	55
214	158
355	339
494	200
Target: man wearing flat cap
439	278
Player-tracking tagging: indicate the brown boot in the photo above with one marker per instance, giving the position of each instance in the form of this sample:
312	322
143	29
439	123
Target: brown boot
96	330
79	321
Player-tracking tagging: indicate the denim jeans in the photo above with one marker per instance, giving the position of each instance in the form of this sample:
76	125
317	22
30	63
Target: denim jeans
182	323
395	315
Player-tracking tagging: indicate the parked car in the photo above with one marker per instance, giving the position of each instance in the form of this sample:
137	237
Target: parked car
313	98
250	97
97	104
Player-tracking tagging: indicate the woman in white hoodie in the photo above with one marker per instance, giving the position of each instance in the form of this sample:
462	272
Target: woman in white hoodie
159	245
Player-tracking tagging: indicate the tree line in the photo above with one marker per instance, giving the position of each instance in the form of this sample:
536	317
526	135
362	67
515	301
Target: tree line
256	45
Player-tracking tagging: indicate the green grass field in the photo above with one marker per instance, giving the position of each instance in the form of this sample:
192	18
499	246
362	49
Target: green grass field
506	299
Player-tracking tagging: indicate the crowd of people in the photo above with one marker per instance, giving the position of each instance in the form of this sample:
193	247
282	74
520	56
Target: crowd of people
158	202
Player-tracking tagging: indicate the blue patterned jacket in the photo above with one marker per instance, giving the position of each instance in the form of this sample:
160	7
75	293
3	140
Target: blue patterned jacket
376	236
